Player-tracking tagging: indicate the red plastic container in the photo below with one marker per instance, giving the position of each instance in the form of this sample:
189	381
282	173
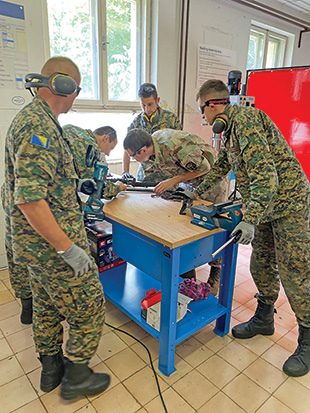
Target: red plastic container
151	297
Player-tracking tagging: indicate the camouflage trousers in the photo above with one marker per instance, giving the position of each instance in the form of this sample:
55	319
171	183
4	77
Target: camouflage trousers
19	274
58	294
281	252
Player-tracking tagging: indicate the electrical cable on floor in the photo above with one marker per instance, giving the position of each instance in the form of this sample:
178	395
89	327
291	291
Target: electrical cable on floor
151	362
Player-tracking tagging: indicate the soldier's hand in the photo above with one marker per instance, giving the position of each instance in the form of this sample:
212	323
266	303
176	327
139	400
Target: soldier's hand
164	186
78	260
127	176
247	232
122	186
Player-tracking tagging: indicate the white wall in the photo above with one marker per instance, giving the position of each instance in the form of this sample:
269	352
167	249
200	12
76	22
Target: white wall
226	24
220	23
36	57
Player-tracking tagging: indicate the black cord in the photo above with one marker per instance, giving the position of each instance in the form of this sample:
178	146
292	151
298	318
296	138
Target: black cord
151	362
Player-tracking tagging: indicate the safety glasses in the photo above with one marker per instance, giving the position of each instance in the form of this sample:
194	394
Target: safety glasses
214	102
137	152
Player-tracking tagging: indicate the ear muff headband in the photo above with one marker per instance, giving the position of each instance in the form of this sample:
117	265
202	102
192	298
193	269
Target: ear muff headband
59	84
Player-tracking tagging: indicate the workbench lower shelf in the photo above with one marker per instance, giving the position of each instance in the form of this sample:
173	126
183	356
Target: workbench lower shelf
125	286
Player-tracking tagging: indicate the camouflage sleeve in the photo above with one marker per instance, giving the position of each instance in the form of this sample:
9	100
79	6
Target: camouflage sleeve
260	168
218	171
190	157
34	168
111	190
134	124
79	139
4	203
177	124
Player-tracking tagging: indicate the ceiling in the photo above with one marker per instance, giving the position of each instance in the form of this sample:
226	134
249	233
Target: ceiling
302	6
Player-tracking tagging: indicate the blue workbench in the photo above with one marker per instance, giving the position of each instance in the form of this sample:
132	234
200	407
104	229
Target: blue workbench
158	245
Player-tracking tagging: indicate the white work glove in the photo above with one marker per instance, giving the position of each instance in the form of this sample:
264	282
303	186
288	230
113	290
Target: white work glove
247	232
78	260
127	175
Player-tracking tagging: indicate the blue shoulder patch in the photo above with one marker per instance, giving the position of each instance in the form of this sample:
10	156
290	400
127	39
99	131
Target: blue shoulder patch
40	141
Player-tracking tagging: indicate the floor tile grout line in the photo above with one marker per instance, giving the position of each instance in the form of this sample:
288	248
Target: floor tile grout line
287	331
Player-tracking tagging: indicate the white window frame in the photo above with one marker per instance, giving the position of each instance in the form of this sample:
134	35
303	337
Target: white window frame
268	32
144	54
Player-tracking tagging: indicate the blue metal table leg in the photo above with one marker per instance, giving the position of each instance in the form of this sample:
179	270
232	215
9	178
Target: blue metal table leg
169	301
227	290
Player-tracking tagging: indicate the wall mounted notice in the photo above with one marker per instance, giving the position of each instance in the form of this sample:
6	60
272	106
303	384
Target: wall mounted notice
214	63
13	55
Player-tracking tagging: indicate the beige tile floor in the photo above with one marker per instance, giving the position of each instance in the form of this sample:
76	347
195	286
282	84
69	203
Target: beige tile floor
214	374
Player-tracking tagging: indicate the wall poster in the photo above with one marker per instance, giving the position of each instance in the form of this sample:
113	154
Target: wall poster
214	63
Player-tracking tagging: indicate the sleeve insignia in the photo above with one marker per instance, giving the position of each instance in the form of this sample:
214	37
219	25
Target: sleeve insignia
40	141
191	166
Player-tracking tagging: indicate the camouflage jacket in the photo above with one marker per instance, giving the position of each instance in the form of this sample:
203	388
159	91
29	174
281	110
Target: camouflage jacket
268	174
166	119
177	152
79	139
39	165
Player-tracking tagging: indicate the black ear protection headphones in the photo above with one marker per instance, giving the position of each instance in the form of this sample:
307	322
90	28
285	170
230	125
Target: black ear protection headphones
59	84
219	124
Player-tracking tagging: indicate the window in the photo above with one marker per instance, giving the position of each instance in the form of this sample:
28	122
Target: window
95	119
267	49
107	40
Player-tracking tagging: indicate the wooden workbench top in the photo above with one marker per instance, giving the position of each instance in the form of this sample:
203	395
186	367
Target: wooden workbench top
156	218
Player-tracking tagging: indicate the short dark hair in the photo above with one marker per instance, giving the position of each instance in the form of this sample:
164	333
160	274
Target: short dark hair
146	90
136	139
213	88
106	130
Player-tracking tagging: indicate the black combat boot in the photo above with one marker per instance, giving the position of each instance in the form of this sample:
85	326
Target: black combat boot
214	279
53	369
298	364
261	323
26	315
80	380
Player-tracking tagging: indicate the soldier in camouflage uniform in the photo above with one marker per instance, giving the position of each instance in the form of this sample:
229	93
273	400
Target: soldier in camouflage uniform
151	119
176	157
276	193
49	238
103	139
78	139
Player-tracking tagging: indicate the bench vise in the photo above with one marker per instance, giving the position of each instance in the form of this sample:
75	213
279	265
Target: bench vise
225	215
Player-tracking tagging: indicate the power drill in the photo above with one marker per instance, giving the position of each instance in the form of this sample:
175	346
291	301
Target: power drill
94	188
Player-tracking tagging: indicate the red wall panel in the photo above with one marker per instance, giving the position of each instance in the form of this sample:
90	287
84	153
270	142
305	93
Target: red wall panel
284	94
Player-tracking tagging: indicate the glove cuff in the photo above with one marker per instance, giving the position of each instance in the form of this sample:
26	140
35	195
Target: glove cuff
67	253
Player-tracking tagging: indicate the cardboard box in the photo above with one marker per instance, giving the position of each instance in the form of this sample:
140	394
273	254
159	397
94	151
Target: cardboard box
100	241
